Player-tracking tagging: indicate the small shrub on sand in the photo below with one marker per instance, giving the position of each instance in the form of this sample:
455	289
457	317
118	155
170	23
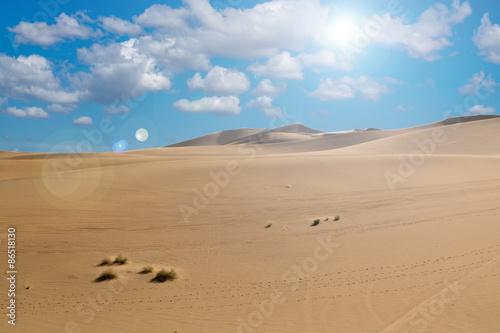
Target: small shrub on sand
120	260
337	218
269	226
326	219
146	270
164	275
106	275
105	262
315	222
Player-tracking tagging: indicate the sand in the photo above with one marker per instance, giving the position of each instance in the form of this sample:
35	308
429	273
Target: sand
416	248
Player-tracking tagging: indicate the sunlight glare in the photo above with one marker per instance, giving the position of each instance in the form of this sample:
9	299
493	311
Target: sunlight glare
343	30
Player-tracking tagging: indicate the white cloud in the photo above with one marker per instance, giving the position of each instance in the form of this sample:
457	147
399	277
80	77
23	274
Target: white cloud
329	90
118	72
394	81
267	88
118	109
428	35
401	108
281	66
32	76
32	112
220	80
284	66
167	52
480	109
166	17
261	31
348	87
119	26
63	109
265	104
487	39
3	100
225	105
83	121
477	81
324	61
40	33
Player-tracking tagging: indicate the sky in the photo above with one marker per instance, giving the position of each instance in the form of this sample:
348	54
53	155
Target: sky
95	76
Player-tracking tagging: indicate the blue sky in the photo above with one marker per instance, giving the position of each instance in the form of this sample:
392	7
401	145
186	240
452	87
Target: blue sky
87	75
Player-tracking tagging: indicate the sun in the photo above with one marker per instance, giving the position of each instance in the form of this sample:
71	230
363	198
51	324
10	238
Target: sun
343	29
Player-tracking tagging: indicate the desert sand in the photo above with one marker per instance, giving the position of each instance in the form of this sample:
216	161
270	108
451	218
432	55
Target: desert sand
416	247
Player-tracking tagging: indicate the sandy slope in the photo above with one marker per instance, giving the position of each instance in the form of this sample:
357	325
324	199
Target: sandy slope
422	257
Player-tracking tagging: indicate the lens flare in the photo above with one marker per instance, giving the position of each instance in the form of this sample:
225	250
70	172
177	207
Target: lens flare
120	145
141	134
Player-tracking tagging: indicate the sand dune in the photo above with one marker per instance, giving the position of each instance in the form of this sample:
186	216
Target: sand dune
304	139
218	138
420	256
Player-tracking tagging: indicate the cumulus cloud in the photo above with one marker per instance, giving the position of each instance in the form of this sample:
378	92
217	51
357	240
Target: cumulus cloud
63	109
186	38
118	72
260	31
348	87
281	66
168	53
267	88
40	33
83	121
476	82
487	39
225	105
119	26
428	35
220	80
480	109
118	109
324	61
284	66
155	15
32	76
265	104
32	112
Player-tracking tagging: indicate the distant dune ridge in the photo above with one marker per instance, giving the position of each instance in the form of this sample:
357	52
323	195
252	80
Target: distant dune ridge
300	138
283	230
